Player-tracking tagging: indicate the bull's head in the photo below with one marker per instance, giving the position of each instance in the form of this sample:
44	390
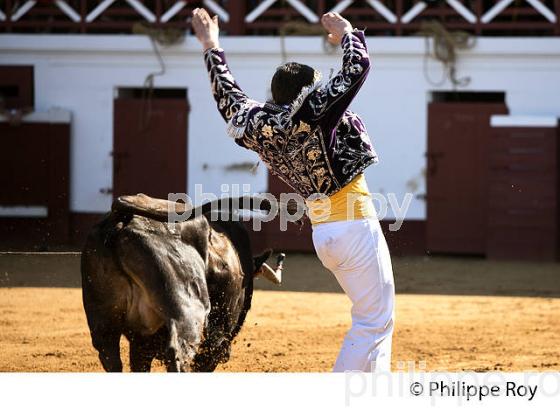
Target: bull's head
224	323
231	270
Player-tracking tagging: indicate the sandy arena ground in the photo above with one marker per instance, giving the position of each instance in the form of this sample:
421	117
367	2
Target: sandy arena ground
451	314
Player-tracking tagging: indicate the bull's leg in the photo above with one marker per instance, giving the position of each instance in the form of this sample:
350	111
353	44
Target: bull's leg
142	353
172	352
182	344
107	344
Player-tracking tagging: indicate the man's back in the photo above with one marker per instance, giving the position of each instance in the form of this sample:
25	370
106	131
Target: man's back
315	144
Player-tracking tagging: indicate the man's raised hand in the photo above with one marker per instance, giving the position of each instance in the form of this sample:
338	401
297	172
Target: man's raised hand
206	28
336	26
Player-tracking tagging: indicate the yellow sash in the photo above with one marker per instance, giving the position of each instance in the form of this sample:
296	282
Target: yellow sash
352	202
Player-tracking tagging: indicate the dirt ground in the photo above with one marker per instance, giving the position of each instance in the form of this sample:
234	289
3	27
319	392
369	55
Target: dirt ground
452	314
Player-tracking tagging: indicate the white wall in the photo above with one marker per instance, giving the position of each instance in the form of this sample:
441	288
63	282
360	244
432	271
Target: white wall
80	73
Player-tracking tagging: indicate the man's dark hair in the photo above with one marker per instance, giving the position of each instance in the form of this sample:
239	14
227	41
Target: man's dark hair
288	80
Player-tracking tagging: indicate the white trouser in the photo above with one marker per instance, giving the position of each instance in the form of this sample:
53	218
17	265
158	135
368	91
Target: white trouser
357	254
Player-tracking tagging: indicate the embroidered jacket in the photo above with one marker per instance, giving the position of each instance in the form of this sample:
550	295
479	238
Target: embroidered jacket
315	145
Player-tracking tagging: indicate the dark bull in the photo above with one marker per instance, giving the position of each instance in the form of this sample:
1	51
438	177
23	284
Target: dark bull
178	292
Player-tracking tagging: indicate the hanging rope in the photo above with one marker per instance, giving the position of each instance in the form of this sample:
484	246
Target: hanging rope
445	47
165	38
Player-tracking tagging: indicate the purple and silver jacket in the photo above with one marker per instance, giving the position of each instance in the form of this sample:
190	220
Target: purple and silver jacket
315	145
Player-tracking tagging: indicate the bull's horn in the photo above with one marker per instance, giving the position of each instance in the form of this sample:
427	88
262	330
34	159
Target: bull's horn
268	273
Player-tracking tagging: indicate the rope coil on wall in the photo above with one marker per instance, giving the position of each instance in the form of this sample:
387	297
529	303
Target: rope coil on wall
444	49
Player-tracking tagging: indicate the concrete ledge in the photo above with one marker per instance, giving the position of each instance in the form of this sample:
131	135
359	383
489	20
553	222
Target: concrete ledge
53	116
524	121
24	211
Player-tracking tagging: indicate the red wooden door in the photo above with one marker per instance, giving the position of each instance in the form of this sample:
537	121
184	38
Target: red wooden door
523	214
456	175
150	146
34	172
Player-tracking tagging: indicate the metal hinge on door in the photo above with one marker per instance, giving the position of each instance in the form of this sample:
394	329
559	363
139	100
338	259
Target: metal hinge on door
433	158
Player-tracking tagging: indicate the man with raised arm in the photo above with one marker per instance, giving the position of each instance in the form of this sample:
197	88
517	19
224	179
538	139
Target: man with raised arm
308	138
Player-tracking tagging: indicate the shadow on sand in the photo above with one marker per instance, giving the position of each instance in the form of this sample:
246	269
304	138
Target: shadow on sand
304	273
